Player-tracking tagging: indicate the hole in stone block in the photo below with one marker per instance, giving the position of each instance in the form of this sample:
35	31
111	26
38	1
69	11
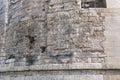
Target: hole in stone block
11	56
43	49
14	1
30	59
43	9
70	55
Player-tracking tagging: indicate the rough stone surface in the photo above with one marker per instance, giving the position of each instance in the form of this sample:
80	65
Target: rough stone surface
59	40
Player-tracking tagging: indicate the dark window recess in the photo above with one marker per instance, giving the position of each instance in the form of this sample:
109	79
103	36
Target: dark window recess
93	4
70	55
11	56
31	41
43	49
30	59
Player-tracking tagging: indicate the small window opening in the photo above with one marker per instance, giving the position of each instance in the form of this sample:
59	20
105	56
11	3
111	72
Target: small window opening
93	3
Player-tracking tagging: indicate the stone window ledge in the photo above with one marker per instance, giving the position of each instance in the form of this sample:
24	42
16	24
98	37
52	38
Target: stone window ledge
55	67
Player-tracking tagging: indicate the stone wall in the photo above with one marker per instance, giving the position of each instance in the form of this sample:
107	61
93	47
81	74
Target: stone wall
58	40
54	32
